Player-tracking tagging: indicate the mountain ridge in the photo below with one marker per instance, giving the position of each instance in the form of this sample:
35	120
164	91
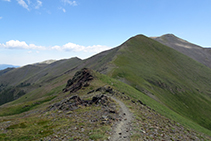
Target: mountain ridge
159	76
157	69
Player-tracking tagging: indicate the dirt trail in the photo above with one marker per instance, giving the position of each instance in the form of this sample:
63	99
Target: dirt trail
121	131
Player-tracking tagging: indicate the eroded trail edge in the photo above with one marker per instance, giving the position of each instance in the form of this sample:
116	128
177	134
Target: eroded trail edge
121	131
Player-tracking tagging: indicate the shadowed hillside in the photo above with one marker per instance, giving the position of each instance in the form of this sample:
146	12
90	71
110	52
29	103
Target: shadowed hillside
36	73
20	81
5	71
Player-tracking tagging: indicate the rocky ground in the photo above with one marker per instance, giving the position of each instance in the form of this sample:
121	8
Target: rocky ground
123	129
88	116
111	114
148	125
141	122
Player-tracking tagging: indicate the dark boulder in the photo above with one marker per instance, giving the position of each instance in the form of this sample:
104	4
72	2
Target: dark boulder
80	79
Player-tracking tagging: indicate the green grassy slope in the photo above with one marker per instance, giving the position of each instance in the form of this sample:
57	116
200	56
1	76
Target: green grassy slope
157	106
168	76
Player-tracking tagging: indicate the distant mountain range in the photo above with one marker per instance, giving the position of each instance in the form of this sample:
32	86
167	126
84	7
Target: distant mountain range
168	74
4	66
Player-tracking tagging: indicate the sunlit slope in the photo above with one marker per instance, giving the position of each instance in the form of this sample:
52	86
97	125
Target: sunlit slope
166	75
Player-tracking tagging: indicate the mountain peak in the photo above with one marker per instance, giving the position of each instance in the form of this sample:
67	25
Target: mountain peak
169	35
138	37
170	38
173	37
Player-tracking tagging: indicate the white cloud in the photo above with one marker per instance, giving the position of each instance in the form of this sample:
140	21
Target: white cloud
1	18
23	4
72	46
15	44
72	3
79	48
69	47
39	4
7	0
57	47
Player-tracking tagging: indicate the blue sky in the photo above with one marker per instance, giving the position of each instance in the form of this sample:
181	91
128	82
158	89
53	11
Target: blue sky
36	30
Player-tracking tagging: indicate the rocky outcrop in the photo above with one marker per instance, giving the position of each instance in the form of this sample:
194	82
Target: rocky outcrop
74	102
105	89
79	80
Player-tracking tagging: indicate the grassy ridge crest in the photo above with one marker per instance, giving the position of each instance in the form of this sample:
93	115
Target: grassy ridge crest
168	76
